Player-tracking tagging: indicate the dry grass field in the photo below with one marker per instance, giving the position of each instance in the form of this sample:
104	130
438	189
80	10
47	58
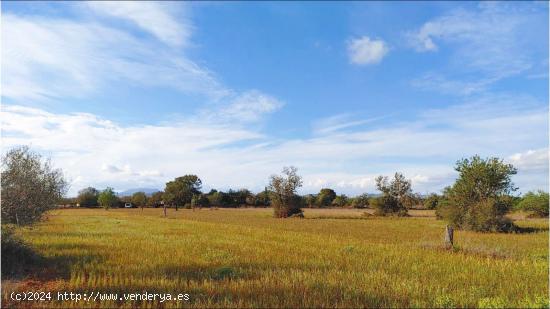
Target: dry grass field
246	258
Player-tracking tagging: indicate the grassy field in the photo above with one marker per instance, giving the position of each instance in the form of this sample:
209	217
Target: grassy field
246	258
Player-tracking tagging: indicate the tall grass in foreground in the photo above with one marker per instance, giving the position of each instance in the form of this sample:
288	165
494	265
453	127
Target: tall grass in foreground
246	258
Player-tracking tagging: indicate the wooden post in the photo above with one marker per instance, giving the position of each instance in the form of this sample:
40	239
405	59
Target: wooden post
449	236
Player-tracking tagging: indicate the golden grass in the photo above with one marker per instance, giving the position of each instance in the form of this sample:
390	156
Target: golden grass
246	258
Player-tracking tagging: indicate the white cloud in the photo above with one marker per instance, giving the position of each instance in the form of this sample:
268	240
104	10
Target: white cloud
531	160
339	122
154	17
250	106
487	44
364	50
55	58
95	151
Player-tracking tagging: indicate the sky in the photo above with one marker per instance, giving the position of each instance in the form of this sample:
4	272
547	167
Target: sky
134	94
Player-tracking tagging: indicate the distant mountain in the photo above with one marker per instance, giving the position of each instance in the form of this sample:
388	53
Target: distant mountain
147	191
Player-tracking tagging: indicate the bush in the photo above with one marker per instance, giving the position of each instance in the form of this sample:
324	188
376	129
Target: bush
361	201
395	194
388	206
535	202
480	197
431	201
30	186
283	197
290	209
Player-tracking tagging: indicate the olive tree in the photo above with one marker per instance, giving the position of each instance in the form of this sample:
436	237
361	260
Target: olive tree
30	186
283	197
479	198
395	194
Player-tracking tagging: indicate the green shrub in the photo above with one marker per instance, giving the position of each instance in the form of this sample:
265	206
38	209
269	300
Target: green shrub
536	202
388	206
431	201
480	197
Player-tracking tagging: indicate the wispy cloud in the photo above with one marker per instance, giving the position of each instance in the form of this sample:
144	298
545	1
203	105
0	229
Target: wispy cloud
56	58
96	151
156	18
339	122
489	43
364	50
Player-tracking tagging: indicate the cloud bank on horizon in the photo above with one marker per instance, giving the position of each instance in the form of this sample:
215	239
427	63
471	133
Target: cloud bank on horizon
133	94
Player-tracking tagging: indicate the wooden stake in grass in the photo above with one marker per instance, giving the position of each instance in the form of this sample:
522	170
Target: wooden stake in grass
449	233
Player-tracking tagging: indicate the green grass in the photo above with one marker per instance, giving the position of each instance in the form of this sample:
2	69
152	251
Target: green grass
246	258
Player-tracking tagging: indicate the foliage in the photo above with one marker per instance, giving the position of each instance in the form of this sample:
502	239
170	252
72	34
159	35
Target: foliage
107	198
155	199
536	202
431	201
340	201
262	198
87	197
478	200
361	201
325	197
199	201
30	186
394	195
139	199
283	188
310	200
180	191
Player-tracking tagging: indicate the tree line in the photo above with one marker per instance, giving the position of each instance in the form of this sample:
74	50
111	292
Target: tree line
479	199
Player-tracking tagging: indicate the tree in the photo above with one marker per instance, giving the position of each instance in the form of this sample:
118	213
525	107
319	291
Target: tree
431	201
325	197
361	201
283	197
87	197
107	198
139	199
394	195
262	198
535	202
310	200
479	198
155	199
30	186
180	191
340	200
200	201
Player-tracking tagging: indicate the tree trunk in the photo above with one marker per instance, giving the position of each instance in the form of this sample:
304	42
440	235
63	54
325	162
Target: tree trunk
164	208
449	234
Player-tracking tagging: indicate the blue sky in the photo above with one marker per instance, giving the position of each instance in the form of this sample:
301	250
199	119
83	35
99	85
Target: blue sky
133	94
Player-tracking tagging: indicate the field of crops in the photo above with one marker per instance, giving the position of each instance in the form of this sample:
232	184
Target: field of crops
246	258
